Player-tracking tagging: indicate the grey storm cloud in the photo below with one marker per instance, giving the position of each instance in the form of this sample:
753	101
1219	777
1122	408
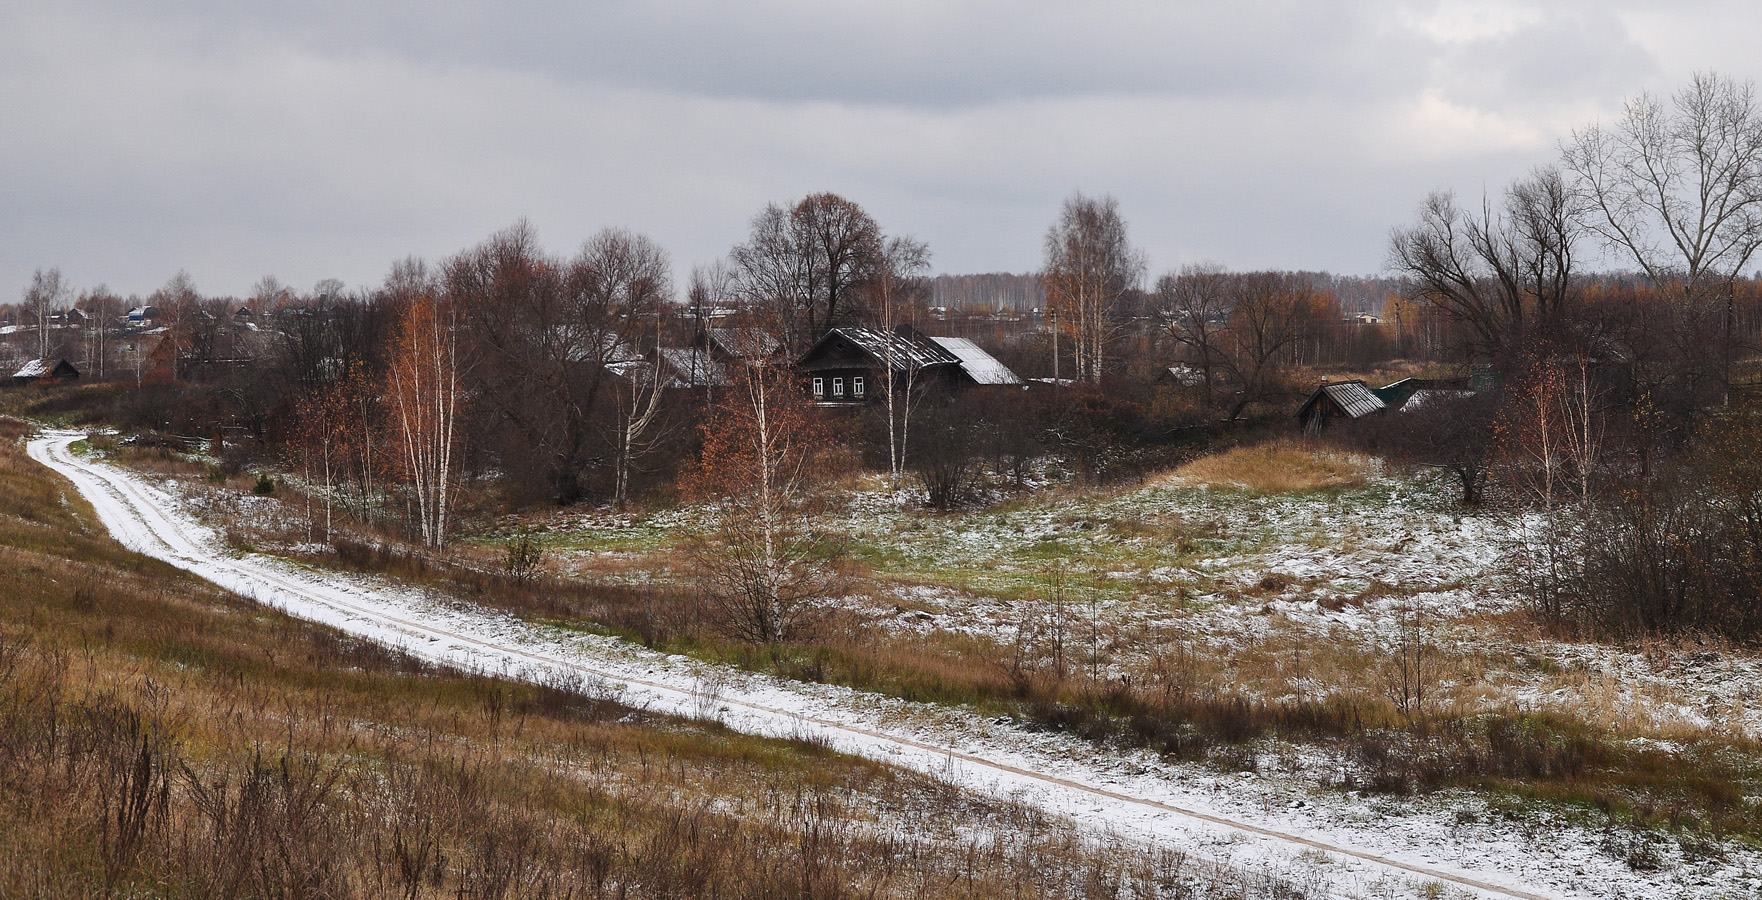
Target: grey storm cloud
317	139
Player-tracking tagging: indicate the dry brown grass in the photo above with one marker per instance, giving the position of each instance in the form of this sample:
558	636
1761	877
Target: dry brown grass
1222	703
159	737
1276	467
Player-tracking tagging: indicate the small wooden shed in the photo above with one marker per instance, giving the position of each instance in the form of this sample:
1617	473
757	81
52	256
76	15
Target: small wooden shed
40	371
1339	401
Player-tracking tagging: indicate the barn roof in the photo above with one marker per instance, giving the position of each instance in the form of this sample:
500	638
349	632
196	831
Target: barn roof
980	366
1353	398
1396	393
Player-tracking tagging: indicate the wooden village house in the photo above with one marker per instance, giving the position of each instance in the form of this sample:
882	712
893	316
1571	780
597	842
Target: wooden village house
850	365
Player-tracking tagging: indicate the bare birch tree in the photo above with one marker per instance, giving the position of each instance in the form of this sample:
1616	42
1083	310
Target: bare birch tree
46	294
102	309
1091	266
762	563
896	292
426	398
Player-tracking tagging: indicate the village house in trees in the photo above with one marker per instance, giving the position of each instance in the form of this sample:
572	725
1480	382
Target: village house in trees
850	365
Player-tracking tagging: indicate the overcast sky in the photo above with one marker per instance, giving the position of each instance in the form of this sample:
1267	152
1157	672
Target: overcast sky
309	139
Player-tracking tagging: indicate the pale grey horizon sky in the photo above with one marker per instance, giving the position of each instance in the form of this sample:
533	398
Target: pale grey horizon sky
319	139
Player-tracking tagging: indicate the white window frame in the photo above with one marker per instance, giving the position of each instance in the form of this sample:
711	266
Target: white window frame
856	386
819	387
837	387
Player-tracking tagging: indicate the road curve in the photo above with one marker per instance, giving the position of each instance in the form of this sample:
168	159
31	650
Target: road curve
148	522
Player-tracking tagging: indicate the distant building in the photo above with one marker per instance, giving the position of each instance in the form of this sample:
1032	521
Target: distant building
41	371
1346	401
852	365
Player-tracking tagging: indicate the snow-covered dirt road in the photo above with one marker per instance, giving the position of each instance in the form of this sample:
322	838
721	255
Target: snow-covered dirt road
1133	798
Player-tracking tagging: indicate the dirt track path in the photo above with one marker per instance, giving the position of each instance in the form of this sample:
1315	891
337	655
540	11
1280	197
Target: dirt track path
147	521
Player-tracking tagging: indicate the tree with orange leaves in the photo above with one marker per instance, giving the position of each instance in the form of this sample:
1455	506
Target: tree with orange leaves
762	562
426	398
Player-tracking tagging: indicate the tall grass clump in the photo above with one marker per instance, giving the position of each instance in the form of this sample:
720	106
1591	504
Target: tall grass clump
1280	466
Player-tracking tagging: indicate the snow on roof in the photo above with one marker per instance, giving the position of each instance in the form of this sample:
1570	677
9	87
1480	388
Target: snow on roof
907	352
980	366
1185	375
745	343
1353	398
693	367
1423	397
36	368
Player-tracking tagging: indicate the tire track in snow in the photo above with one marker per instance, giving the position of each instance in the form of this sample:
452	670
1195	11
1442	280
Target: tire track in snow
148	525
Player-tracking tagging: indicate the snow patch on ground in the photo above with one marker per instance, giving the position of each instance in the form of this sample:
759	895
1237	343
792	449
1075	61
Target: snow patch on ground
1349	846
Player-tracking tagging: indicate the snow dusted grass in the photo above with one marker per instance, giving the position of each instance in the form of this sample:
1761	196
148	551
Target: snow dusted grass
1258	626
163	737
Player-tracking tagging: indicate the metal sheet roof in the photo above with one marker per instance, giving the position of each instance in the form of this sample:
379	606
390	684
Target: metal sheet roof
980	366
1353	398
905	353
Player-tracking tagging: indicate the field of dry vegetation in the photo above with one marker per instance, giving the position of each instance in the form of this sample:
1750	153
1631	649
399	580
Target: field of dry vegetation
159	737
1283	608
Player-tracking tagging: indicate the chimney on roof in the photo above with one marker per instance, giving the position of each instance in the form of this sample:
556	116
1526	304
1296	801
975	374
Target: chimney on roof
1324	380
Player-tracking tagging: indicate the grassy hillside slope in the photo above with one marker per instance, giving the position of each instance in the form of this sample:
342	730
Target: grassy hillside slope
159	737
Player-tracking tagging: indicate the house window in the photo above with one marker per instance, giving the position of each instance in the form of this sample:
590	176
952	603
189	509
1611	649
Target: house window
819	387
837	387
856	386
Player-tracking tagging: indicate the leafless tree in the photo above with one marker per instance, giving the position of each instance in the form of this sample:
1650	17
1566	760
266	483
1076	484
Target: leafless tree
1677	188
897	293
269	295
714	289
102	309
1090	267
543	335
809	264
1195	310
1244	329
638	426
1501	272
46	294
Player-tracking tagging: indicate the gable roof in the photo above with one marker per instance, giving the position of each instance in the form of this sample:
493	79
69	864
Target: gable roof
44	368
980	366
905	352
744	343
35	368
1352	398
